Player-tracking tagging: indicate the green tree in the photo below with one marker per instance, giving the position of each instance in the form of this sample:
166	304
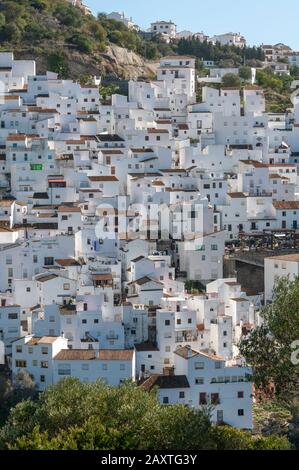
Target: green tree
245	73
106	91
269	347
231	80
2	20
76	415
56	61
23	389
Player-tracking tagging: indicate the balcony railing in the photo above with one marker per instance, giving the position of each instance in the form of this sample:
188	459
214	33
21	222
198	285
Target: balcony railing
260	193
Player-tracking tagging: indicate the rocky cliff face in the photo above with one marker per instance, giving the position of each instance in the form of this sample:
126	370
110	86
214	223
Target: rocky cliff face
115	61
126	64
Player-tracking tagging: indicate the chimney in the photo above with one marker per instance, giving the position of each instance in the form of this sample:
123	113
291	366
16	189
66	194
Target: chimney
169	371
189	352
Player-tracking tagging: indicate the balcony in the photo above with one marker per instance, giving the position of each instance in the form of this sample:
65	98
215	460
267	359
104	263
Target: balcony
260	194
186	336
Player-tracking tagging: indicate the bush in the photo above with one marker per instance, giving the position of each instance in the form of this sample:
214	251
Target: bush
68	15
2	20
97	30
56	62
245	73
83	43
10	33
39	4
231	80
233	439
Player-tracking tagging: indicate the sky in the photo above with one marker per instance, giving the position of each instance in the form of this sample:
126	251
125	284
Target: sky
260	21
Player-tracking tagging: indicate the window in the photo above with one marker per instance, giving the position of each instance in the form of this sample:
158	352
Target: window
64	369
240	412
165	400
218	365
199	381
19	349
49	261
44	364
12	316
28	289
203	398
199	365
45	350
122	367
8	259
215	399
167	322
240	394
182	395
21	364
66	286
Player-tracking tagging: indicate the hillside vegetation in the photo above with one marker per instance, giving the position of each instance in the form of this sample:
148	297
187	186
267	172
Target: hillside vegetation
62	39
77	416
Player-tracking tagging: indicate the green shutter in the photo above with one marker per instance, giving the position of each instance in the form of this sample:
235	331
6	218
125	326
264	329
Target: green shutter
36	166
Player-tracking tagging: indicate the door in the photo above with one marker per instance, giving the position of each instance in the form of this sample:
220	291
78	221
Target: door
202	398
220	419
